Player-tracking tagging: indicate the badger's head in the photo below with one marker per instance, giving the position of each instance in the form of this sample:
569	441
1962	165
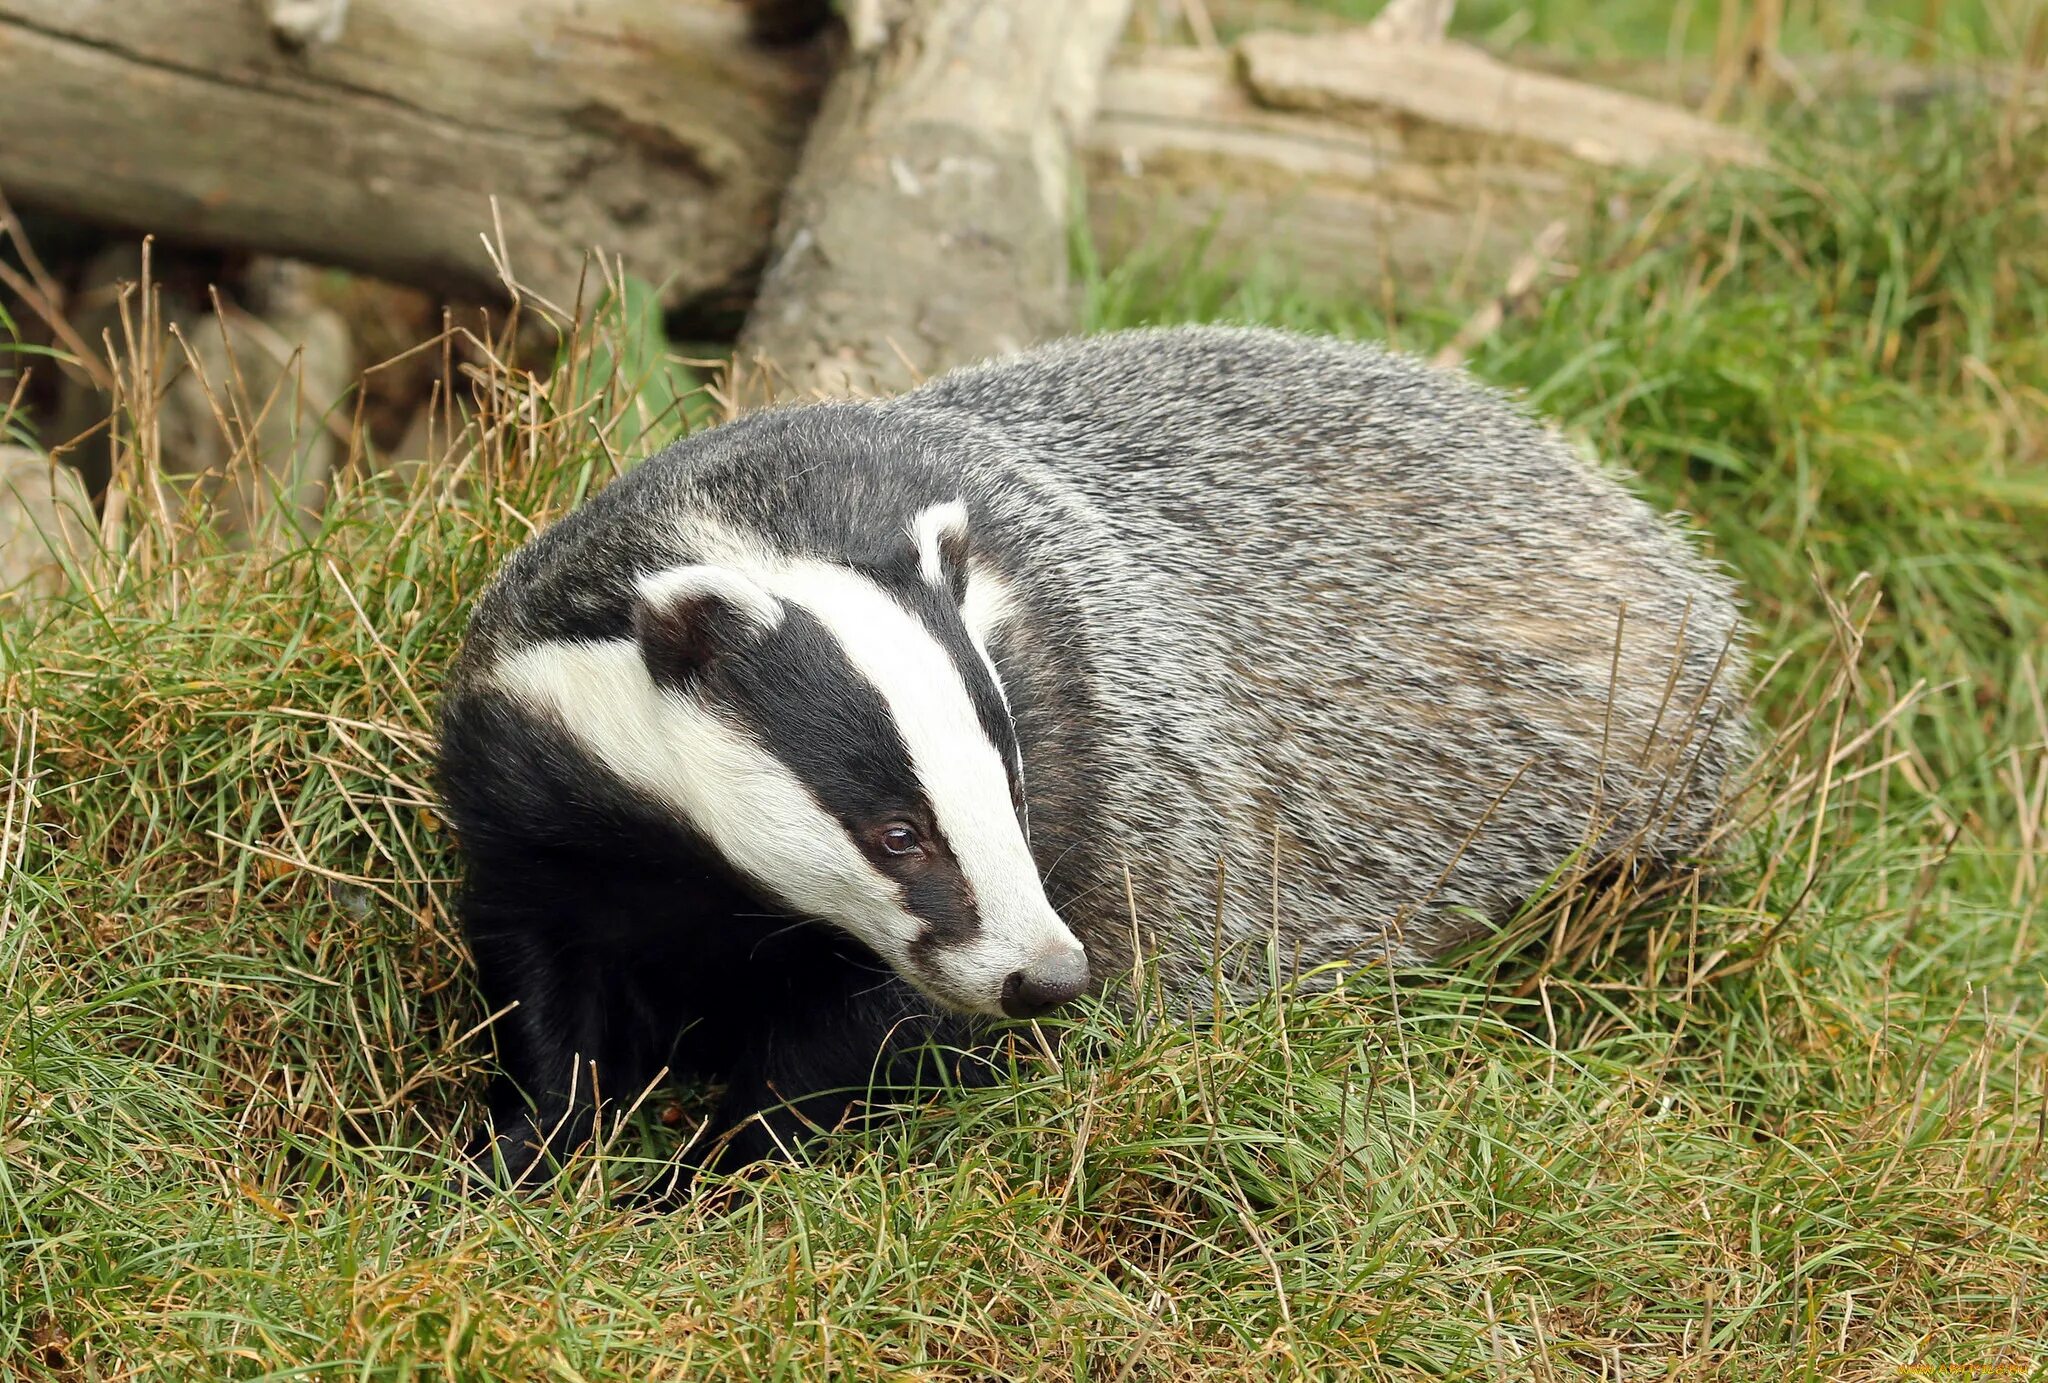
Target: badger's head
835	731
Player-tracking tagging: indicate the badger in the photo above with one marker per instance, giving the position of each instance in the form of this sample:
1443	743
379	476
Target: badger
844	732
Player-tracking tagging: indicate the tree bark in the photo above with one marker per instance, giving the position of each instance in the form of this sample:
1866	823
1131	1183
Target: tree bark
1339	163
1461	92
927	222
654	129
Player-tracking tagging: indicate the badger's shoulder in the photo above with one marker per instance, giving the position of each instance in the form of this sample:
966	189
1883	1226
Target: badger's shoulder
1173	360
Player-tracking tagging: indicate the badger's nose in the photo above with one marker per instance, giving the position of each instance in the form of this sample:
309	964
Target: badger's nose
1046	983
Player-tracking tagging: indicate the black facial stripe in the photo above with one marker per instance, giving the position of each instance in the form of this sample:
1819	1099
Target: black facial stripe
796	691
941	898
799	695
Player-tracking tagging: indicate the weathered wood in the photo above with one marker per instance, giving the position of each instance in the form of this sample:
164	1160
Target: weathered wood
1312	156
655	129
927	223
1459	90
935	188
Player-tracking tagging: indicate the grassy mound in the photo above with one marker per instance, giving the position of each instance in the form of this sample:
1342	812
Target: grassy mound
1786	1121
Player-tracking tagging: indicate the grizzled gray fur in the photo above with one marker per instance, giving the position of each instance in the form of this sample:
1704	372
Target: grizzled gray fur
1342	622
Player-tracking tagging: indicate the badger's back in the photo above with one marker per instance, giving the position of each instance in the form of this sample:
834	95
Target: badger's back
1353	634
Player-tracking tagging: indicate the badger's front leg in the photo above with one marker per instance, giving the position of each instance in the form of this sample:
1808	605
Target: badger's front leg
560	1048
811	1065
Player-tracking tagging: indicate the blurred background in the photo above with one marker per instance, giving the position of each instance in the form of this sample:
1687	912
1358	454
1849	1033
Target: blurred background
326	186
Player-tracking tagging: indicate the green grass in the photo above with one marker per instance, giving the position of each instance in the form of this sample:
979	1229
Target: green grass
1785	1125
1631	29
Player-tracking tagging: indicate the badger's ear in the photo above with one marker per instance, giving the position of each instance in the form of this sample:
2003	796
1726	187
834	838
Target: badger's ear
940	533
688	616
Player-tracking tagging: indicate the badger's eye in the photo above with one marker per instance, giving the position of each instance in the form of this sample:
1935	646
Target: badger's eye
898	839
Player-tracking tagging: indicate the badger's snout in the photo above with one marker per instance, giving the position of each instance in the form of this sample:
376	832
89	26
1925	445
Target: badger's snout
1053	979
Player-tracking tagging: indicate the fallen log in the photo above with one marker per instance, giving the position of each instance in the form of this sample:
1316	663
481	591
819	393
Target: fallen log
656	129
927	224
1337	161
1457	90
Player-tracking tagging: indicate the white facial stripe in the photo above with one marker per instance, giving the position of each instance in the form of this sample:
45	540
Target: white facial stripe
745	801
932	527
991	603
722	583
956	763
